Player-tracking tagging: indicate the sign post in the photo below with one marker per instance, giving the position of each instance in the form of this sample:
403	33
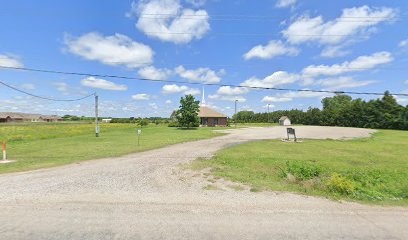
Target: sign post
138	136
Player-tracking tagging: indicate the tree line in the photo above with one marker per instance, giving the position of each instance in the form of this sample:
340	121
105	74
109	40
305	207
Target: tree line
341	110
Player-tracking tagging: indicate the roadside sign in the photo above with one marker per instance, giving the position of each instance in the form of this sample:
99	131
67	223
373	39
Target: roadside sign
139	132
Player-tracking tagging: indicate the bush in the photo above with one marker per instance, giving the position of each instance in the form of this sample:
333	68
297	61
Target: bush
339	184
174	124
303	171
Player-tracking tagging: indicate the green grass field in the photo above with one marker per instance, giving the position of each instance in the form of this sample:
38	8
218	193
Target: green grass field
43	145
371	170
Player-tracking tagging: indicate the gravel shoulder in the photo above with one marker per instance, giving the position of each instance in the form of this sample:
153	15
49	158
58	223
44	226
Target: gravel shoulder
148	196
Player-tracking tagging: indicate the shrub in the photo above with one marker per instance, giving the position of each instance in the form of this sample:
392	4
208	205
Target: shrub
174	124
339	184
303	171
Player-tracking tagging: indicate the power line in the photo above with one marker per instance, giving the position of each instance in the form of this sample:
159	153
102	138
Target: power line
45	98
253	34
243	65
196	83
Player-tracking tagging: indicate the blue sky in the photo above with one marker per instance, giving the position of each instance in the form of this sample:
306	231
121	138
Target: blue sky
332	45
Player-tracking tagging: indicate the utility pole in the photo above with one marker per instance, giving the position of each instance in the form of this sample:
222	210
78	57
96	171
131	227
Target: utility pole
268	112
96	116
235	120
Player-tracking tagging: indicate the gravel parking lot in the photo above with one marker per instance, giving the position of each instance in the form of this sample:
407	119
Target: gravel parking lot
148	196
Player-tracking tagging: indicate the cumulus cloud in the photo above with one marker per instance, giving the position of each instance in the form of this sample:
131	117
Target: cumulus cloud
403	43
203	75
285	3
273	99
154	106
307	29
102	84
227	98
168	101
10	61
141	96
334	51
361	63
227	90
169	21
343	82
276	79
151	72
273	49
174	88
110	50
62	87
197	3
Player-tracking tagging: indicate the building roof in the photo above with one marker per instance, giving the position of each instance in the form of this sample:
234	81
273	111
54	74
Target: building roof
283	118
208	112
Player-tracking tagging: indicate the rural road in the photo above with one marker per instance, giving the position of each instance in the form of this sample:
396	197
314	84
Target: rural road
148	196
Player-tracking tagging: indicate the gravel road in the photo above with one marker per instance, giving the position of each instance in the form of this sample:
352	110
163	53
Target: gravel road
148	196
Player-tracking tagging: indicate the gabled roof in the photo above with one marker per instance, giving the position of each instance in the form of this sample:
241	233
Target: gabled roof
208	112
283	118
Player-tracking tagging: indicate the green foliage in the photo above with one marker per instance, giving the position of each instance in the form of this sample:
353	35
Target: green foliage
303	171
187	114
143	122
174	124
339	184
341	110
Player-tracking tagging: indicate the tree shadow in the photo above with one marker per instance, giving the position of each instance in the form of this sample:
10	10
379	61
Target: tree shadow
192	128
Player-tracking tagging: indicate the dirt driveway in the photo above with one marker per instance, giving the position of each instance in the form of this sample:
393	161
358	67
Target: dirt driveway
148	196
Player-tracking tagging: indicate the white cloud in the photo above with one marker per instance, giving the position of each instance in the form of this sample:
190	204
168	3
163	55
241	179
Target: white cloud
168	21
173	89
268	106
406	82
168	101
227	90
192	91
306	29
276	99
102	84
28	86
334	51
197	3
154	106
361	63
10	61
62	87
403	43
204	75
141	96
285	3
343	82
227	98
276	79
111	50
305	94
151	72
273	49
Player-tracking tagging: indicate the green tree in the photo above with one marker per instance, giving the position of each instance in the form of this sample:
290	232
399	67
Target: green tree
143	122
187	114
